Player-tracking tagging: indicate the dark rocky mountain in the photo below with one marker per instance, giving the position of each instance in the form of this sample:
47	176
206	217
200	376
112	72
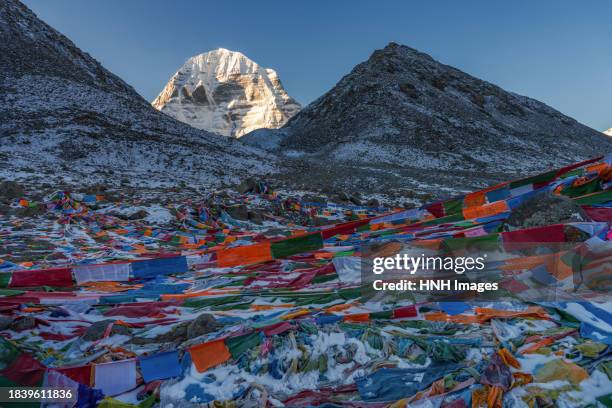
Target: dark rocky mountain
403	120
63	114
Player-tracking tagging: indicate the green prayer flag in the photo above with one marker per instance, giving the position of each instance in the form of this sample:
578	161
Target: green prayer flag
444	220
5	279
579	191
385	314
539	178
239	344
297	245
453	206
8	353
489	242
596	198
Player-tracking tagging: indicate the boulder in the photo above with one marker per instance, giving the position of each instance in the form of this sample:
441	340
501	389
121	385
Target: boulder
327	189
35	211
342	196
96	331
373	203
256	217
247	186
11	189
311	198
25	323
5	322
545	209
203	324
97	189
355	200
138	215
238	212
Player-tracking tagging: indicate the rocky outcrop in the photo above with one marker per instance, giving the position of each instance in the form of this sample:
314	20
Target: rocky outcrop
545	209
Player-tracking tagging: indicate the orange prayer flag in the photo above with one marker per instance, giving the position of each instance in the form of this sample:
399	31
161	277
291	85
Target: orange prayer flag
323	255
357	318
509	359
479	398
538	345
376	227
32	309
295	314
562	271
339	308
475	199
443	317
229	239
495	397
208	355
486	314
245	255
139	249
598	167
437	388
485	210
521	379
271	307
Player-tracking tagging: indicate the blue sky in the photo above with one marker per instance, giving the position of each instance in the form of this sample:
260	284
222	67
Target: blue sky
559	52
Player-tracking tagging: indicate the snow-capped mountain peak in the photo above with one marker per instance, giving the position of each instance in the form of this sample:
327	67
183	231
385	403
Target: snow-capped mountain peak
225	92
608	132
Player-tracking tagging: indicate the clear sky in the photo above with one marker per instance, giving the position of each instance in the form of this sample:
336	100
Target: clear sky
559	52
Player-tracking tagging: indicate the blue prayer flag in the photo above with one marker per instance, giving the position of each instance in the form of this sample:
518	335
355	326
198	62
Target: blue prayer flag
160	366
151	268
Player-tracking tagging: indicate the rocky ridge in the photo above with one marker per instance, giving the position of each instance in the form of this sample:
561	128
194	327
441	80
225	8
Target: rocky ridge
403	120
63	116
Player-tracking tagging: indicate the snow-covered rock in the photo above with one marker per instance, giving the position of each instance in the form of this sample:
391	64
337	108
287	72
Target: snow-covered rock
64	116
608	132
225	92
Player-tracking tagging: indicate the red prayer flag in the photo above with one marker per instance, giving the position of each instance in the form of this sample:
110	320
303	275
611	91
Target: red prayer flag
80	374
514	240
405	311
61	277
25	370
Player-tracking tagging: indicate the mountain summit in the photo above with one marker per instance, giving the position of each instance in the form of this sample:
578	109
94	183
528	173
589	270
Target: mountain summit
63	114
225	92
403	119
